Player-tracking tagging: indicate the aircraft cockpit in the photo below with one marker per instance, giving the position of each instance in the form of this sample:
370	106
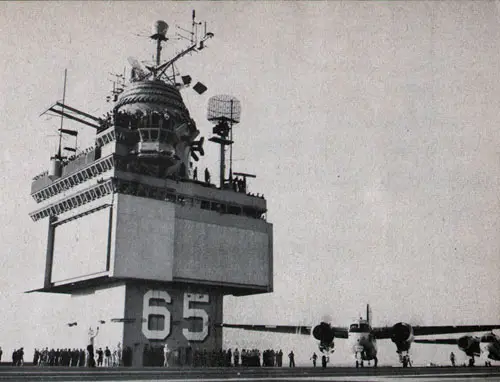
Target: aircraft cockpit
359	327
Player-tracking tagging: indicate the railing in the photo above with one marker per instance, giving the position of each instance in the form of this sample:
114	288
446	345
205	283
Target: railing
83	197
65	183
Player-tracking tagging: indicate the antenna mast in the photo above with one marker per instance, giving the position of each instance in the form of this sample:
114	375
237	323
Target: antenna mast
231	139
225	110
160	29
197	44
62	116
161	71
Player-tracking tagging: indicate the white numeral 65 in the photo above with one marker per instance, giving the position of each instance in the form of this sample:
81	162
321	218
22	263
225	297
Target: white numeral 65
162	311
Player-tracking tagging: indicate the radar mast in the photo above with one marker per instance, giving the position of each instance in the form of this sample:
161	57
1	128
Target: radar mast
159	70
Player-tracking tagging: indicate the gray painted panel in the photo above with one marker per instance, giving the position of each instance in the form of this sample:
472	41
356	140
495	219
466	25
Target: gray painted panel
143	238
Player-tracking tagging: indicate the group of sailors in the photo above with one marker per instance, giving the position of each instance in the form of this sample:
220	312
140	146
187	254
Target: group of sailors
59	357
204	358
472	361
239	184
18	357
324	360
75	357
136	120
155	356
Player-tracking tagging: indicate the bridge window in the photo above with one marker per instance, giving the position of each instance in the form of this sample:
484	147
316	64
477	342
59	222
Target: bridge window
233	210
163	135
154	134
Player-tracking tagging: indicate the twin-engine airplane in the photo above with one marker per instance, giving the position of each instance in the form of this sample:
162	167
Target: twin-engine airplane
363	338
473	346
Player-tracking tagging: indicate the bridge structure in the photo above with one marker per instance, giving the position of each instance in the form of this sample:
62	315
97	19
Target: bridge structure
146	250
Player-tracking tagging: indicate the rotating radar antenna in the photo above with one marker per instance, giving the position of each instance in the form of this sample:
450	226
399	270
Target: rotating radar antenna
225	111
224	108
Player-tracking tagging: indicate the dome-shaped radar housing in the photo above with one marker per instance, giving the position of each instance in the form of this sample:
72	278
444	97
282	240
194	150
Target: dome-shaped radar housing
159	29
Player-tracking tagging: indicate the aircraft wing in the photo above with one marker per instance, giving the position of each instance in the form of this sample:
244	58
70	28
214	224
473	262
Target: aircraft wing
291	329
339	332
386	332
430	330
441	341
486	338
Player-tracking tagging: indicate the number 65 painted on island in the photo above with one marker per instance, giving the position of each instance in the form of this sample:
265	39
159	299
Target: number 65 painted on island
188	312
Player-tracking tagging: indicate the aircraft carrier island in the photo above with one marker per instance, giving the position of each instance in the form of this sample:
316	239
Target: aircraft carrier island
145	245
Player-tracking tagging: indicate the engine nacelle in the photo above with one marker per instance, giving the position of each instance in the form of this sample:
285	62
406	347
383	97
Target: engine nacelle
494	355
402	336
325	335
470	345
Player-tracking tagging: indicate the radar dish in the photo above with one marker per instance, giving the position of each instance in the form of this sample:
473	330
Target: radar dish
139	70
224	108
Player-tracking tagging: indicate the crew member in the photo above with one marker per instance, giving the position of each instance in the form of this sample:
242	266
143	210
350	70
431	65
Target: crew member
99	357
279	358
324	361
236	357
90	347
314	358
107	354
165	355
452	359
291	356
119	354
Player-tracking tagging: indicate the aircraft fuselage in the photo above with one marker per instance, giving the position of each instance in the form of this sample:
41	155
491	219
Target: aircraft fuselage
491	346
362	341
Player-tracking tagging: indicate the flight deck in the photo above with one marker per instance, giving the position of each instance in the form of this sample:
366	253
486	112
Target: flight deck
428	374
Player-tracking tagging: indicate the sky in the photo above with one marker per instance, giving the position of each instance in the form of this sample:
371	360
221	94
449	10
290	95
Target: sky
373	129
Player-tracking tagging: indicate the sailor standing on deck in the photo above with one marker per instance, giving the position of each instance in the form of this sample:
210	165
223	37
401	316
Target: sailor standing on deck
324	361
165	355
90	347
291	356
207	176
119	354
236	357
314	358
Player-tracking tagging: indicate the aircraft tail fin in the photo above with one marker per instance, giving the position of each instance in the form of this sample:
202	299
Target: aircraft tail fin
368	314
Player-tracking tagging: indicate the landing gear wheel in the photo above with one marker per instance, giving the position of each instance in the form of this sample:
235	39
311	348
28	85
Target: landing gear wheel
362	365
375	362
405	362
